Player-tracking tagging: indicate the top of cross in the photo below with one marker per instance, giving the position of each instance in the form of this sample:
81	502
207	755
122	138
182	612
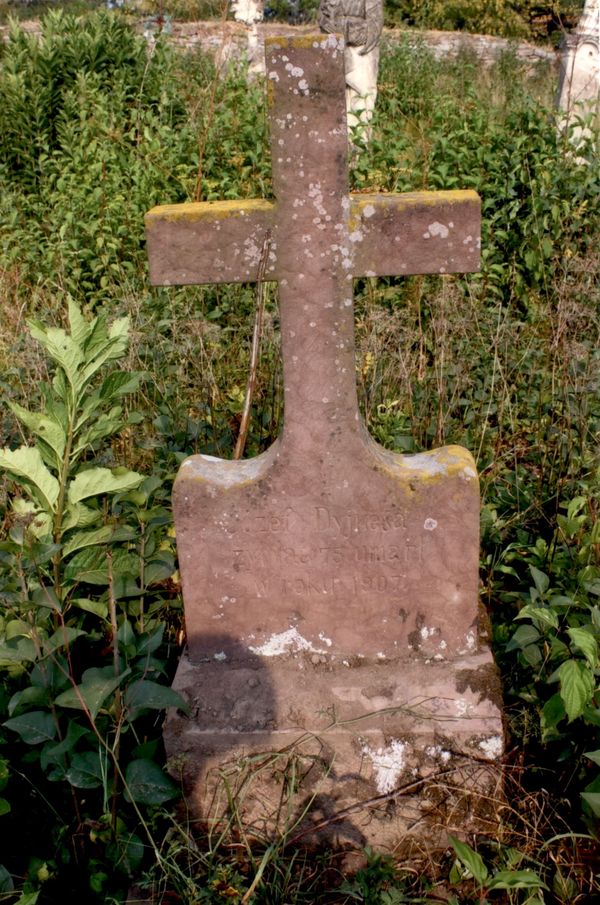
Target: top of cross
319	237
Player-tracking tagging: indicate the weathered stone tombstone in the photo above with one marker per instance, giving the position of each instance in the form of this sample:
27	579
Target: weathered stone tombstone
579	86
360	22
330	586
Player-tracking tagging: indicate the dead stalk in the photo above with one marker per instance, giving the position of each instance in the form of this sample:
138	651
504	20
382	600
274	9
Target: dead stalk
254	356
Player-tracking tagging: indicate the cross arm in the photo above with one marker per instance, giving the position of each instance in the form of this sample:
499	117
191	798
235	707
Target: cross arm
208	242
417	232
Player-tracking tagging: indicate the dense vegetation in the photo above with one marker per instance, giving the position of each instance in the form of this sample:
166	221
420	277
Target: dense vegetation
109	384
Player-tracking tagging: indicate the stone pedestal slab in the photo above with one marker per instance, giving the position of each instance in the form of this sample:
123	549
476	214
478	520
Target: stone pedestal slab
378	754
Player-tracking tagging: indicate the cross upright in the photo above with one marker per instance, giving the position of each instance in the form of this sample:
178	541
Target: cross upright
327	542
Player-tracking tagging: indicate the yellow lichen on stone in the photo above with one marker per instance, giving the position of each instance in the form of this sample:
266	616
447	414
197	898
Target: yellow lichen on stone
424	469
197	211
393	204
273	42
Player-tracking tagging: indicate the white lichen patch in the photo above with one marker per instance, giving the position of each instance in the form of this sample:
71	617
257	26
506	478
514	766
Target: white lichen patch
438	753
430	524
290	641
368	210
470	641
436	230
388	764
428	632
220	656
324	639
492	747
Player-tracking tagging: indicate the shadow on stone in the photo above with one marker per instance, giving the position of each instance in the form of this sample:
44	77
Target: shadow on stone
237	764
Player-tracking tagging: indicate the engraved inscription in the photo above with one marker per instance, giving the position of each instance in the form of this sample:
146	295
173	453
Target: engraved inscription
351	523
328	553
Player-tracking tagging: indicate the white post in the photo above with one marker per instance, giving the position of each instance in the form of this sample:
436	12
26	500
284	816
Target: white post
250	12
579	87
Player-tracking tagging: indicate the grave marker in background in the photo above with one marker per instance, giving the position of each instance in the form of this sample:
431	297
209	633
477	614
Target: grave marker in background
579	87
330	586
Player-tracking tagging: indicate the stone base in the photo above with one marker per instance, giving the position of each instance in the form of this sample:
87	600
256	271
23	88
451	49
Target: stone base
354	754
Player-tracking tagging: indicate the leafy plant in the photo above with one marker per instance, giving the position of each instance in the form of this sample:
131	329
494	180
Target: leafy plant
84	720
469	865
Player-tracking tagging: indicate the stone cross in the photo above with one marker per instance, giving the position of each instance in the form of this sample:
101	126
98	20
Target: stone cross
326	542
329	584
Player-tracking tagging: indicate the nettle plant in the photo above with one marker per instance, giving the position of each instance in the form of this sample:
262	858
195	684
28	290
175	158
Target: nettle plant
557	641
81	568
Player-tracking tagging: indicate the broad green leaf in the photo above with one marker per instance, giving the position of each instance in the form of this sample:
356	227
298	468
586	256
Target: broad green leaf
576	505
98	336
26	697
62	637
90	565
90	407
80	327
541	616
17	628
119	329
159	569
593	756
97	607
38	521
87	770
145	783
524	635
576	686
21	650
552	713
126	634
95	481
592	799
470	859
149	642
62	348
114	348
540	579
103	535
103	426
4	807
80	516
34	727
46	597
147	695
52	754
119	383
46	427
532	654
96	686
516	879
26	462
586	643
